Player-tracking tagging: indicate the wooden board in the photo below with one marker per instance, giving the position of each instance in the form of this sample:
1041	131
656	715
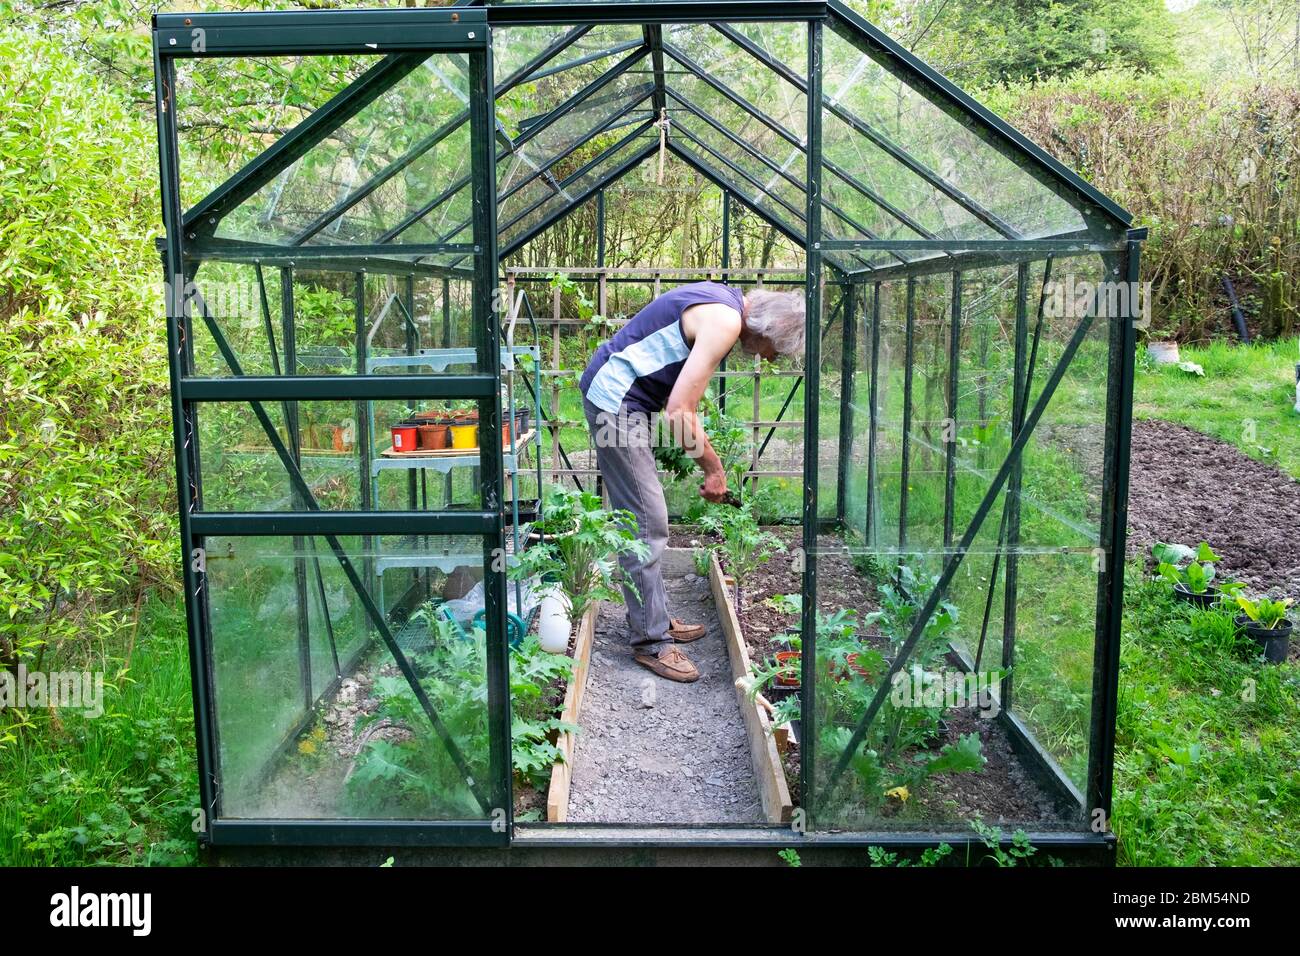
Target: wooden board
557	794
390	452
777	805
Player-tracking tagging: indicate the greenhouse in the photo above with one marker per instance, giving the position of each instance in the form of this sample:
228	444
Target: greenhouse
374	368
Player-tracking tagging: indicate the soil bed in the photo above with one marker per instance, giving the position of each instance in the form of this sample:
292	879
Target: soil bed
1186	487
1004	791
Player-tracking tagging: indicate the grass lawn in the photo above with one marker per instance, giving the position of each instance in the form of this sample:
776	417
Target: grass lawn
1208	748
1203	774
121	788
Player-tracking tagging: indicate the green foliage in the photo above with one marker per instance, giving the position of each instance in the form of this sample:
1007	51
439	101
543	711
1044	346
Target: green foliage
85	460
747	545
1191	567
416	776
930	857
1019	852
1265	612
790	857
1207	740
583	561
985	42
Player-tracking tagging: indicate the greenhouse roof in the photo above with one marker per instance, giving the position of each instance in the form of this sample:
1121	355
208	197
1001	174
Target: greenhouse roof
912	170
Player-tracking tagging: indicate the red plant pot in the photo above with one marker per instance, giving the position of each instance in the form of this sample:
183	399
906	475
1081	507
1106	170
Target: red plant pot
790	658
404	437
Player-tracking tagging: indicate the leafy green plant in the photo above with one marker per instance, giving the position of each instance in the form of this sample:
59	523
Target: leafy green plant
1191	567
747	545
1020	851
416	774
1265	612
583	561
930	856
790	857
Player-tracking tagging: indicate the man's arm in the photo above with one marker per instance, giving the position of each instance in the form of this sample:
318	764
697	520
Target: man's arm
717	327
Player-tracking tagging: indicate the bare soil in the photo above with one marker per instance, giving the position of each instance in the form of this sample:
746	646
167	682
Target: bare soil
1186	487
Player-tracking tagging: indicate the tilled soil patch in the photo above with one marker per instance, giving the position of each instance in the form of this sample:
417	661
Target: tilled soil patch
1185	487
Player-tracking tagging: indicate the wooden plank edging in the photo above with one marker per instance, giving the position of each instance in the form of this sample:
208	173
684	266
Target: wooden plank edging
777	805
557	794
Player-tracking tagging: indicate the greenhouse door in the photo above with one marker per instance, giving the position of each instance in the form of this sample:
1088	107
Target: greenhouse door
344	580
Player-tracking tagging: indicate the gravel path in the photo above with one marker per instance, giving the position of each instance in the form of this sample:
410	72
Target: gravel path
655	751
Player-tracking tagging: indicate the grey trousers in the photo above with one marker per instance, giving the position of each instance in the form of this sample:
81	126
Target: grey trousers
625	455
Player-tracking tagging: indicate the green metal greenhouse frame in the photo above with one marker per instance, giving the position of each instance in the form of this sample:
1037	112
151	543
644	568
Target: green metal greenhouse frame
816	200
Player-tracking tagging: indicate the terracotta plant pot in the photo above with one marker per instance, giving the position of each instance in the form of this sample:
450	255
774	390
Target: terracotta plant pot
790	658
432	436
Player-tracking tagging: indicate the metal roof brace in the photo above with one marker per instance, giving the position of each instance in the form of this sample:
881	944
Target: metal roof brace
664	125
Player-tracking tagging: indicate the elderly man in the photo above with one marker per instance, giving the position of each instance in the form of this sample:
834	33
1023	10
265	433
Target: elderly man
661	361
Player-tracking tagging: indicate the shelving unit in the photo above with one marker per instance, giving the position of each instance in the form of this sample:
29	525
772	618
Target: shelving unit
377	456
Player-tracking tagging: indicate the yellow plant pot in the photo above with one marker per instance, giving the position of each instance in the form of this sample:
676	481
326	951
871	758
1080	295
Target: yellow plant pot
464	436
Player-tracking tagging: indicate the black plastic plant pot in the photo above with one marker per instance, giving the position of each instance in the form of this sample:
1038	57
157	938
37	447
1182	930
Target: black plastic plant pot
1207	598
1275	642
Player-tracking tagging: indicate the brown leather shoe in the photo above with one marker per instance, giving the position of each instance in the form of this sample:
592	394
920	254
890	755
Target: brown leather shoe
671	664
683	633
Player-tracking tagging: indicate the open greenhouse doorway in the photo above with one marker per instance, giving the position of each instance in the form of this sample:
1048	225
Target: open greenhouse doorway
364	445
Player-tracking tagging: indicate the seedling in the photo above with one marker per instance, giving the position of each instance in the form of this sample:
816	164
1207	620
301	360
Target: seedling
1265	612
1179	564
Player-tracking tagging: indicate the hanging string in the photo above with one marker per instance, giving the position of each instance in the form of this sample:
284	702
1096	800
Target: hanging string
664	124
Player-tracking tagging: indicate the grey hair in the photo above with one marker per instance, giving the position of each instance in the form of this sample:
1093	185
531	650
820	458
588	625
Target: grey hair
778	317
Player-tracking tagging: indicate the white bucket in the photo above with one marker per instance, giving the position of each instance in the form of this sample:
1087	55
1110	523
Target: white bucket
553	622
1163	353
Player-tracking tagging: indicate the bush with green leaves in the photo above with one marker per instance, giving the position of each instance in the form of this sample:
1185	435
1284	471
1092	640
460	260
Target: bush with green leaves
584	560
86	468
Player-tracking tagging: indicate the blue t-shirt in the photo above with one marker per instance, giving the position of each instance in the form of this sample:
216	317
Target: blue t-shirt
640	364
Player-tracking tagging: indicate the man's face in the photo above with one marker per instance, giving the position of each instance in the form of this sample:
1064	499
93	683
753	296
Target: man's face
759	345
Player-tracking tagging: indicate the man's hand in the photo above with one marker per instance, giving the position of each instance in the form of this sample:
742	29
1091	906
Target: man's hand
715	487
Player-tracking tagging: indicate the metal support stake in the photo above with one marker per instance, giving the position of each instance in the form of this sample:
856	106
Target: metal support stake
811	394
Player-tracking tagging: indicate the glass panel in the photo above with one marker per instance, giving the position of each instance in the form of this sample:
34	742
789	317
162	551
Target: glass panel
397	125
230	108
420	329
242	471
313	718
942	143
525	219
1059	529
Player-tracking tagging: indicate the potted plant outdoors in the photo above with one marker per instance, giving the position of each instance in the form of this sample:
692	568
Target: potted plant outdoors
1189	570
556	519
1266	623
581	567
